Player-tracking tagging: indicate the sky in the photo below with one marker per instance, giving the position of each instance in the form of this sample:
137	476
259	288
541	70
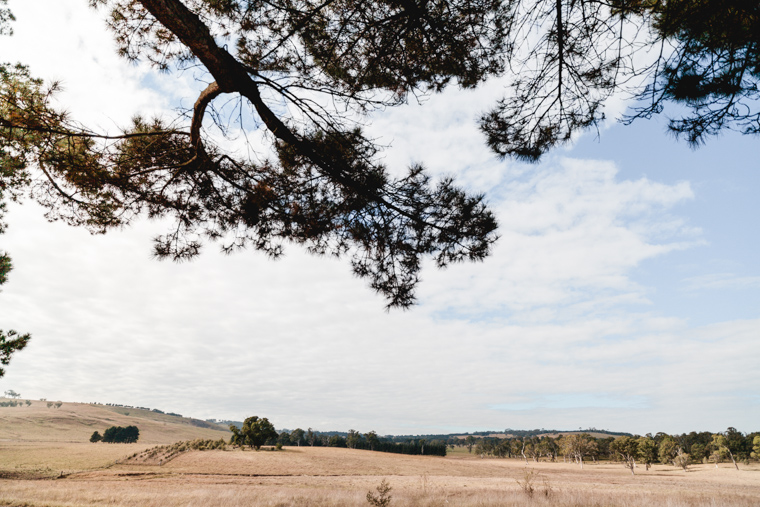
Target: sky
623	293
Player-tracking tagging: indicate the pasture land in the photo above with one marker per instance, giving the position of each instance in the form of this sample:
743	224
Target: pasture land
341	477
59	472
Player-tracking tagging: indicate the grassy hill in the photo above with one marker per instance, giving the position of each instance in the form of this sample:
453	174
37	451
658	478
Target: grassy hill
75	422
41	442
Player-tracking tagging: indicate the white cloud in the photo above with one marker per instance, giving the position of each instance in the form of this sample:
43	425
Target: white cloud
571	231
66	41
721	281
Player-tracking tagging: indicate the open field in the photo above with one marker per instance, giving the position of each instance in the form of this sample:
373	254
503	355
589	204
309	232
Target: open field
342	477
49	462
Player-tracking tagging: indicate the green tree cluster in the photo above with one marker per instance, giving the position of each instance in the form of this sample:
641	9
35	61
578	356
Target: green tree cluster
631	450
121	435
254	433
354	439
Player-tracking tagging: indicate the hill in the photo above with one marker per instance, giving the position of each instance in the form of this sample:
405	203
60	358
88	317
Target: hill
75	422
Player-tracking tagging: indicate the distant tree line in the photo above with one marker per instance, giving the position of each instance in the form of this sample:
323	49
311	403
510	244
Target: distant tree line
451	439
631	450
117	435
355	440
157	411
14	403
189	420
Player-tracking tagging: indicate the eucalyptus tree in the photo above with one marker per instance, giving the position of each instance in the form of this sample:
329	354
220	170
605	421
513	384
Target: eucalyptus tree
627	449
648	452
297	435
667	450
756	447
726	444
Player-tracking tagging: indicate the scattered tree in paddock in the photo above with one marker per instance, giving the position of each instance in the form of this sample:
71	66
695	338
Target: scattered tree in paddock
668	450
296	436
682	459
353	439
577	446
254	433
469	442
372	440
723	447
627	449
648	451
96	437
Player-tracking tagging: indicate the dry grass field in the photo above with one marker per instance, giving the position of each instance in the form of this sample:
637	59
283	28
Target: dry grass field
34	452
37	441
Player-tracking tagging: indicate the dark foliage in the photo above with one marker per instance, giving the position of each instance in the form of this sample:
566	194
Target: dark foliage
307	70
569	56
120	435
254	433
325	187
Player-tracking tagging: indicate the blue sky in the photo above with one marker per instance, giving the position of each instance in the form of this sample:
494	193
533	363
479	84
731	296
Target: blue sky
624	292
717	279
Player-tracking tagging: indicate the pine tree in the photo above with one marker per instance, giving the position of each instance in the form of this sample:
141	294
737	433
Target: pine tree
306	70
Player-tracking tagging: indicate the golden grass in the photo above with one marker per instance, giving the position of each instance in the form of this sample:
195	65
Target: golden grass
341	477
75	422
41	443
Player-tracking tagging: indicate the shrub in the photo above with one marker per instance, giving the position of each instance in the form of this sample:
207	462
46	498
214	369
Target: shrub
383	497
682	459
119	435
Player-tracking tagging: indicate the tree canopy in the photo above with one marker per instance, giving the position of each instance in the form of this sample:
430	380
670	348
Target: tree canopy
307	70
254	433
119	435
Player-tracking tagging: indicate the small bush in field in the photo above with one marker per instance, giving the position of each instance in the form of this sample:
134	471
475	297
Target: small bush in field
165	453
682	459
383	497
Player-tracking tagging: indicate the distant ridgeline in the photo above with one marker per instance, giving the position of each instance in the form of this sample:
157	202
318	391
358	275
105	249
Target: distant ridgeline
542	431
138	408
210	423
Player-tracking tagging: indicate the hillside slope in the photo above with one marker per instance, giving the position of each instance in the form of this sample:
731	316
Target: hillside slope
75	422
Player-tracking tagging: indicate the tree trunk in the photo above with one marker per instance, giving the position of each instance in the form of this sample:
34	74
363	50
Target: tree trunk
731	455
